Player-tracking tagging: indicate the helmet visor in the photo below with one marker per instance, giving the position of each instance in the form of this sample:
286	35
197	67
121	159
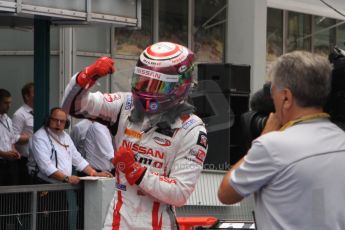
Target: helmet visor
148	81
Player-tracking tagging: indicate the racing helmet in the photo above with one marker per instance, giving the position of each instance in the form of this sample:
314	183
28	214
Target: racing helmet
162	76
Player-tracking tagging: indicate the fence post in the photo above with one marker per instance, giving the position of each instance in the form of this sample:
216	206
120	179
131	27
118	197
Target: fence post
33	209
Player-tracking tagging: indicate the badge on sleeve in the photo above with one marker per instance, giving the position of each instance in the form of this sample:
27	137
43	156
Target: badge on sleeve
201	155
202	139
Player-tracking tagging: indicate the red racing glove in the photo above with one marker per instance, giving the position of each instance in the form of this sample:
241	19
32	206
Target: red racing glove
101	67
125	162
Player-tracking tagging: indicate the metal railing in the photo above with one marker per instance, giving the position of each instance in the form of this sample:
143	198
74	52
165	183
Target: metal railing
42	207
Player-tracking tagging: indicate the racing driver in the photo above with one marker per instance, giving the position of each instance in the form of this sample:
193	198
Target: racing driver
160	144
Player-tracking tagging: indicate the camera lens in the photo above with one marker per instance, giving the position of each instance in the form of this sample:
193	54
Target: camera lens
252	124
254	121
258	124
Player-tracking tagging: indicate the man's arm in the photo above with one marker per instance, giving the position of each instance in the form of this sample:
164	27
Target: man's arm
12	155
88	170
226	193
82	165
77	89
18	121
24	138
60	176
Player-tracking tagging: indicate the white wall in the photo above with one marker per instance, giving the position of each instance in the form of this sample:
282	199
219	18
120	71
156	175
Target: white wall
246	42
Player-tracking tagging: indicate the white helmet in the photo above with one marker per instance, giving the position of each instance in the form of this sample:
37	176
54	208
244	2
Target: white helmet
162	76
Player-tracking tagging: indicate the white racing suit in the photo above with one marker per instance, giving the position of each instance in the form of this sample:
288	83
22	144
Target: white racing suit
174	159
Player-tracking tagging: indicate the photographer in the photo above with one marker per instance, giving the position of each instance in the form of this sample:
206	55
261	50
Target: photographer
296	166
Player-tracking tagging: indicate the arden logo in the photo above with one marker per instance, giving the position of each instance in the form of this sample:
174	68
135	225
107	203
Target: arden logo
162	141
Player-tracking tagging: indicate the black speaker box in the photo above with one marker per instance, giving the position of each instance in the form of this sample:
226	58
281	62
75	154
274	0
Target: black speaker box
220	105
230	77
239	104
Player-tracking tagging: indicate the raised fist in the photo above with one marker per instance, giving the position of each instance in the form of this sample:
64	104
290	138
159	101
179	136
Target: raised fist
101	67
125	162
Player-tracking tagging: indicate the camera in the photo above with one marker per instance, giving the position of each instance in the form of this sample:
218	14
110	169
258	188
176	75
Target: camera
335	105
261	103
254	121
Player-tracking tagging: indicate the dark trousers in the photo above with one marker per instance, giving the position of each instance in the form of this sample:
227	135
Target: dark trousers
14	172
9	172
24	177
14	206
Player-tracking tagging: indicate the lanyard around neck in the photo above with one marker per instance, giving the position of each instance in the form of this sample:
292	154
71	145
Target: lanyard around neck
54	153
304	118
6	126
56	140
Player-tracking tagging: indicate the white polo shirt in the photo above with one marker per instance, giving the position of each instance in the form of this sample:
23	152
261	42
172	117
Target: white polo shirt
297	176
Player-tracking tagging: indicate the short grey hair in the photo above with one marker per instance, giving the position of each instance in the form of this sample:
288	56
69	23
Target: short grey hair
307	75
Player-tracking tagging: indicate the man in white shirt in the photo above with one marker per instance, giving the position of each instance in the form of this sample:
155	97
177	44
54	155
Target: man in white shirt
55	153
23	123
78	134
98	147
9	156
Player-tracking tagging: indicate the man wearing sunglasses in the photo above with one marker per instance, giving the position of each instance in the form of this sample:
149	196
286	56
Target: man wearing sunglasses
160	144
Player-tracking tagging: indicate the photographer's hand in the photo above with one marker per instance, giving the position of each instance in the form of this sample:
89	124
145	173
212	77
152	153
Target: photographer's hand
272	124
